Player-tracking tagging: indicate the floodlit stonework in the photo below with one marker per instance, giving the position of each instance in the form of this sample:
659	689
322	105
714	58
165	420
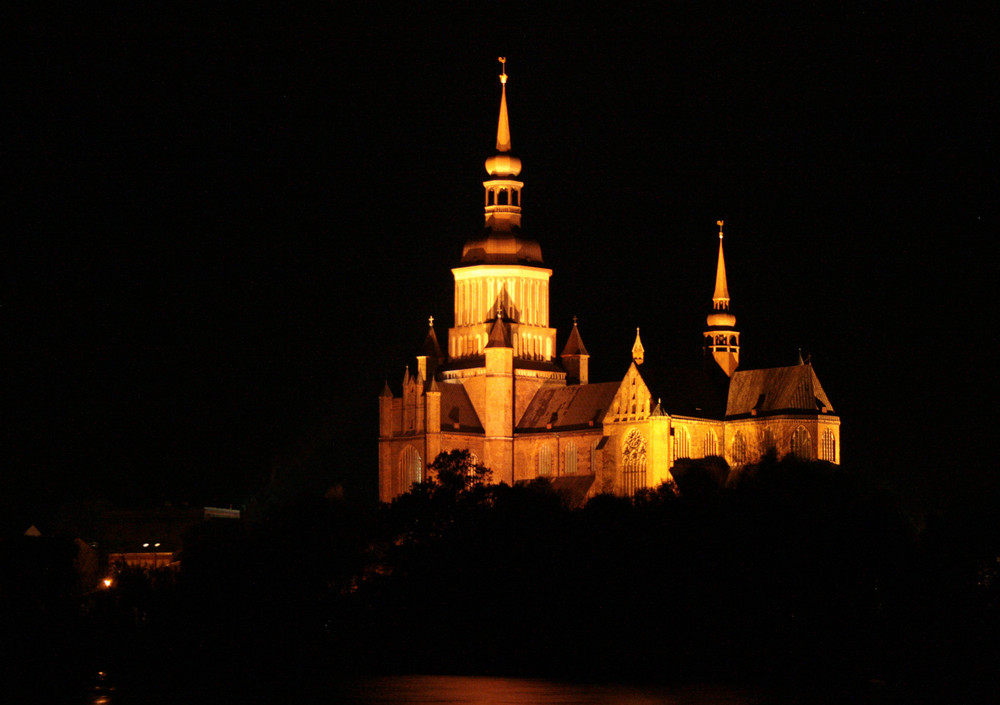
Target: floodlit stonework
499	388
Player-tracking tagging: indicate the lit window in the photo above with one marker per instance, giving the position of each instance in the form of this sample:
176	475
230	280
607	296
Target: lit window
570	465
544	461
633	463
740	455
801	444
829	448
410	468
767	442
682	444
711	444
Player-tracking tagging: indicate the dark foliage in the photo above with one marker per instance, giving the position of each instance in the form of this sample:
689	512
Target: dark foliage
784	570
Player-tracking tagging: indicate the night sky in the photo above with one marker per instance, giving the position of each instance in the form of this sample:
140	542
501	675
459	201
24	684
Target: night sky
228	232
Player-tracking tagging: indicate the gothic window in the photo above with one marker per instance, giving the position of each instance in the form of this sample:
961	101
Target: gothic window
801	444
740	453
767	441
829	447
682	444
544	461
633	463
570	464
711	444
410	467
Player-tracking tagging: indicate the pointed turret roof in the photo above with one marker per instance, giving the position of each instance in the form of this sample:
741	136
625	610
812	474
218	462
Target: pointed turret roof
638	352
503	127
574	346
721	295
431	347
499	335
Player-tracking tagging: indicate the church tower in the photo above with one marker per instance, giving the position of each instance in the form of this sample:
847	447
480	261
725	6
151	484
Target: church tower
501	271
722	339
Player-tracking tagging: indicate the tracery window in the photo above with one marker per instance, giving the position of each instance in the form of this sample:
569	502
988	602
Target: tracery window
682	443
711	443
767	441
410	468
740	453
570	460
829	447
544	461
801	443
633	463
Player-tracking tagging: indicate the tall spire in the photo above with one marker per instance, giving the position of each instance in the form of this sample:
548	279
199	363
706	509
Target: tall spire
722	339
503	126
720	299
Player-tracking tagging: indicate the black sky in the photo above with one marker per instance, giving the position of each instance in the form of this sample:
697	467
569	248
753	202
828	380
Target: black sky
229	231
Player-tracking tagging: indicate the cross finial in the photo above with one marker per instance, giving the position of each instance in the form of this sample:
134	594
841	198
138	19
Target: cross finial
719	223
430	321
503	68
574	321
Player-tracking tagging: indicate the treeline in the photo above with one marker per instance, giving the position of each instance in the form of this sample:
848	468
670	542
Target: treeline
787	569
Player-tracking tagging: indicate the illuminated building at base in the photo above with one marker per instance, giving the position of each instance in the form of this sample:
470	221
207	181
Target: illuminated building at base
499	388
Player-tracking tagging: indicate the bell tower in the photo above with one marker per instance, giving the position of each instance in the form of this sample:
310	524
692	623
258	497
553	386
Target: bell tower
721	338
501	273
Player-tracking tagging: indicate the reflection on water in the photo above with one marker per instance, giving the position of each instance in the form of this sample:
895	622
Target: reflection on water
471	690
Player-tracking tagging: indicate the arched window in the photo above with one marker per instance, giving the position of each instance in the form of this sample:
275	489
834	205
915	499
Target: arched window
633	463
570	461
682	443
740	454
544	461
410	468
767	442
711	443
802	444
829	447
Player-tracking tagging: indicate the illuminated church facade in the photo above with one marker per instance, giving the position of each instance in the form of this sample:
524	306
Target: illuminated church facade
500	389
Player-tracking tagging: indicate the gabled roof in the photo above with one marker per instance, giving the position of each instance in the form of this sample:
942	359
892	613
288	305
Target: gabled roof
698	391
457	408
568	408
776	390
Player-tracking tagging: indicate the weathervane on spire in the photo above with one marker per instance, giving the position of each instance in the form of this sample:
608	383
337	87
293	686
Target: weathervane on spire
503	68
719	223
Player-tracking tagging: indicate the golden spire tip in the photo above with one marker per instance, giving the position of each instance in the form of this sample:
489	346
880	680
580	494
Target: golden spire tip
503	68
719	223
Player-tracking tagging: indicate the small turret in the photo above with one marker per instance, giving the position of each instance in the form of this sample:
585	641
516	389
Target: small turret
638	352
575	358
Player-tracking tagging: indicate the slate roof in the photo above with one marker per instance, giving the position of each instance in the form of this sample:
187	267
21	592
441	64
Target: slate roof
698	391
776	390
456	407
568	408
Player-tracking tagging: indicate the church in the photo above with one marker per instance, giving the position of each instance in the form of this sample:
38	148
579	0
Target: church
499	389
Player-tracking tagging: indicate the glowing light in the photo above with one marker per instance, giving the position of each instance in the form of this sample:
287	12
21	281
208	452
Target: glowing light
107	582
